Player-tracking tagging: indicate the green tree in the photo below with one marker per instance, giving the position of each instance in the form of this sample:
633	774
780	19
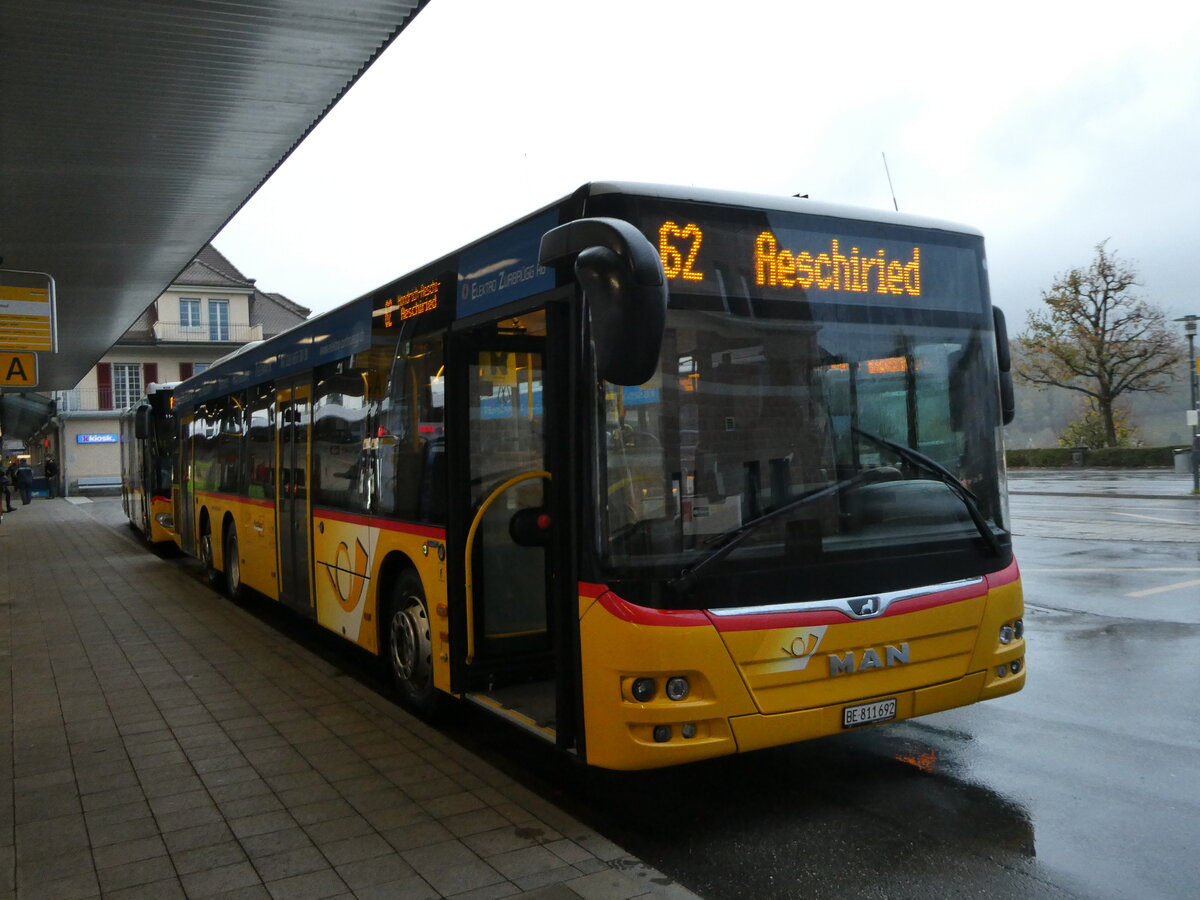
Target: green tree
1095	335
1089	430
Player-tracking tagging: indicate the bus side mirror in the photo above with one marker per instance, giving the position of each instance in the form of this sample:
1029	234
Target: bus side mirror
626	292
1008	403
141	423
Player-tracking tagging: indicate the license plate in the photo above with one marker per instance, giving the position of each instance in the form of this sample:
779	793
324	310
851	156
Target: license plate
869	713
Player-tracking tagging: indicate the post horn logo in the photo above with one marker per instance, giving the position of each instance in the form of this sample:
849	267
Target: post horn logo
804	645
348	580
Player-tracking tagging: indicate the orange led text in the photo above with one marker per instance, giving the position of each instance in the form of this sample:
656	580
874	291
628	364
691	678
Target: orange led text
835	270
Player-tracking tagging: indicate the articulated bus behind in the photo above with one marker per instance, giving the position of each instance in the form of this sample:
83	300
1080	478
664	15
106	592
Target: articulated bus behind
657	474
147	456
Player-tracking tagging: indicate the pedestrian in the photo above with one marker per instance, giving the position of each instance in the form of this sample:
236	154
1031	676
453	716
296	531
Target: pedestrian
24	479
6	489
51	470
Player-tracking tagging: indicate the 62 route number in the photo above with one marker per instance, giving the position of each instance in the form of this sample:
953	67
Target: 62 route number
678	248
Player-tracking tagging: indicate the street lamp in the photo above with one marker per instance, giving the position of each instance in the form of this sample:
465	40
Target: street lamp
1189	328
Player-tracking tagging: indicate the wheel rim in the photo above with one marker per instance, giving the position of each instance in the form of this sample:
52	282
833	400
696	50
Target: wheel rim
233	566
410	642
206	548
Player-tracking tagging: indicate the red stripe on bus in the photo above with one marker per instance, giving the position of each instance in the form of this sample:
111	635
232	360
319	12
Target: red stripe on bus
428	531
643	615
800	619
1007	575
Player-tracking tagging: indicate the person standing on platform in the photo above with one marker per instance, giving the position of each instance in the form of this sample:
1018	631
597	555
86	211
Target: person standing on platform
6	488
24	479
51	471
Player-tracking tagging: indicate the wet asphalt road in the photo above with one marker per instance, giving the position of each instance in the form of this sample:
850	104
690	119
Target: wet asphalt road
1085	784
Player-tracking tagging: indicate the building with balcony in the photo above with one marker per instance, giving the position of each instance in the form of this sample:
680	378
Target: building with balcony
209	311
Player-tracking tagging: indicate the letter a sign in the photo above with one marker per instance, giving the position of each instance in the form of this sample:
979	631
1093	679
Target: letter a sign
18	370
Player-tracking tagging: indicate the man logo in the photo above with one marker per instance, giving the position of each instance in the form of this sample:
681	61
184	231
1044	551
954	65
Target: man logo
804	645
849	664
865	607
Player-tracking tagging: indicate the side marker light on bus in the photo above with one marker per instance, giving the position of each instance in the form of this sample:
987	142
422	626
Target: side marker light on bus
678	687
643	690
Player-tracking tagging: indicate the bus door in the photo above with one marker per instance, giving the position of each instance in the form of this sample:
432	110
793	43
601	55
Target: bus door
509	648
184	505
294	424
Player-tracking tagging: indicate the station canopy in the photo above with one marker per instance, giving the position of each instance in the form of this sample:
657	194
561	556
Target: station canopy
131	132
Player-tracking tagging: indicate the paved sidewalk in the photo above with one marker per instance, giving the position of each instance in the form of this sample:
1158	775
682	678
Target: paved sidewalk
1140	483
161	742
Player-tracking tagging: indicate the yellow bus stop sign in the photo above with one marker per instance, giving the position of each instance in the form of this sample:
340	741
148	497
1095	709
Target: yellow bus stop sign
27	311
18	370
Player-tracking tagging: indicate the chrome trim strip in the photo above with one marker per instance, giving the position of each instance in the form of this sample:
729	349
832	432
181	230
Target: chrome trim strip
868	609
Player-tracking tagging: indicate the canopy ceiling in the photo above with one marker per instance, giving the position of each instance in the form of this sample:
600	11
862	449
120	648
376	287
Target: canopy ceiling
130	132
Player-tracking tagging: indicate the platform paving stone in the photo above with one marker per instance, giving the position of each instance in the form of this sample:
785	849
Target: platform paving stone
162	742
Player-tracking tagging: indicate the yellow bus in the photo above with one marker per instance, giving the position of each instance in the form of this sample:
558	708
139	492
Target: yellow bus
656	473
148	435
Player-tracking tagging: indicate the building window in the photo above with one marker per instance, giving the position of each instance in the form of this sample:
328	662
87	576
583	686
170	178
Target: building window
197	368
126	384
218	320
189	313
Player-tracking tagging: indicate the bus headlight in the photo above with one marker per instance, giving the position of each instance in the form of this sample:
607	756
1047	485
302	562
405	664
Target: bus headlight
678	687
643	690
1019	628
1006	634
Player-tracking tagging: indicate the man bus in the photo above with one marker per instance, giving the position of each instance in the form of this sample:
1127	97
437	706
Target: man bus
657	473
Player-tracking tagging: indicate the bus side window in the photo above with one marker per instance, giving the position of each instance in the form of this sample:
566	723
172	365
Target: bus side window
339	431
261	444
412	428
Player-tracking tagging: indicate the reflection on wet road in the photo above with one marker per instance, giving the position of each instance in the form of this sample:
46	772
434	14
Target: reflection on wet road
1086	784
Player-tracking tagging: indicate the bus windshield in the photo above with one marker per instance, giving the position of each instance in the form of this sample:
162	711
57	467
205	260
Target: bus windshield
797	430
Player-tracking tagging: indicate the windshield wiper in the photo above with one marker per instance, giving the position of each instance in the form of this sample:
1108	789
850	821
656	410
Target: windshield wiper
932	466
725	542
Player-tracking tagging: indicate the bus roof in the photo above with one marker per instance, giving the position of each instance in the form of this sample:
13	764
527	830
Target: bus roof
773	202
346	329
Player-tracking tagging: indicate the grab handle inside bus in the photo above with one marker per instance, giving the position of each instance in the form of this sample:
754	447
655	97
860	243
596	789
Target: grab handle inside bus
623	283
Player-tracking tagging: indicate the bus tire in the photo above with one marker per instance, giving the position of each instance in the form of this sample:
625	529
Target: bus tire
408	644
234	586
216	578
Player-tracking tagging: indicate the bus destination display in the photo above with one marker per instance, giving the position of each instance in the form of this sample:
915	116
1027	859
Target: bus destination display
783	260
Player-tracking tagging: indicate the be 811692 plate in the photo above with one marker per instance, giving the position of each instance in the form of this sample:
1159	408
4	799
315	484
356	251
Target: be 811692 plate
869	713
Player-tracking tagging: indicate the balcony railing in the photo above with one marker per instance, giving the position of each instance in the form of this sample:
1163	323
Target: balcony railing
210	333
90	400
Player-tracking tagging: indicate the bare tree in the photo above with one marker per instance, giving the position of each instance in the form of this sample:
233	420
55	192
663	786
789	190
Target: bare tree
1098	337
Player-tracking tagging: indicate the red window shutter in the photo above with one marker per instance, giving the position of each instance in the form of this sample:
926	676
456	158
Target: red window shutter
185	371
104	383
149	374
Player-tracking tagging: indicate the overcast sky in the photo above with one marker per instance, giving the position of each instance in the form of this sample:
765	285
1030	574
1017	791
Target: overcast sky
1050	126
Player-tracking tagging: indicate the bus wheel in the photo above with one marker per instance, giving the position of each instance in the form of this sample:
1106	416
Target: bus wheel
409	647
233	568
211	572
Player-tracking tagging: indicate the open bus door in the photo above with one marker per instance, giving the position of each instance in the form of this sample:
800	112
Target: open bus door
519	653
